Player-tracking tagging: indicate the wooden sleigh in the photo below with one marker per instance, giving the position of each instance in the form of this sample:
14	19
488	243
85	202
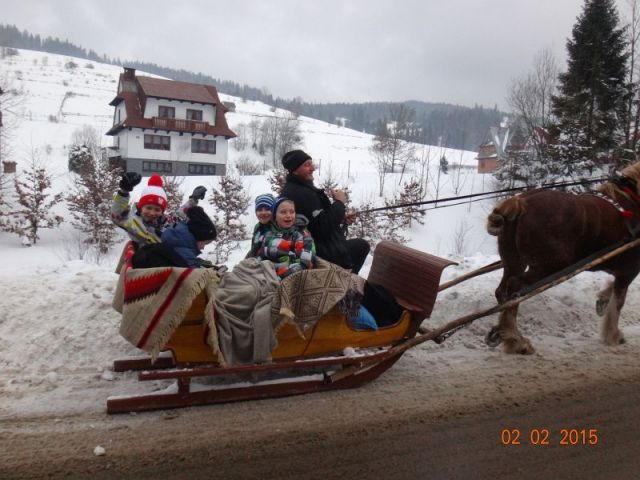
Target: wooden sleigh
317	363
300	365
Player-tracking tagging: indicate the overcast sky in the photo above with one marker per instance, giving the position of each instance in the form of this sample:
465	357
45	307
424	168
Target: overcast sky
455	51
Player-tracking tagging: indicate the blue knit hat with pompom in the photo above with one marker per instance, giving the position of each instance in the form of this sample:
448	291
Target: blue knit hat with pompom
264	201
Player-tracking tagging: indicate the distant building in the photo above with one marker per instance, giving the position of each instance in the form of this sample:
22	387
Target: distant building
168	127
505	140
487	157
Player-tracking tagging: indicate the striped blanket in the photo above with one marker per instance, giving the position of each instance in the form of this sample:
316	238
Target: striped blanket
154	301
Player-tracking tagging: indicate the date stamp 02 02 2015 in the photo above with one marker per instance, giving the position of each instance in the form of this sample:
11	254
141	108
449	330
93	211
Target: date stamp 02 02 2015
568	437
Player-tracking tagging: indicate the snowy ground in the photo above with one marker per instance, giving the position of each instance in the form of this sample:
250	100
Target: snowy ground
59	335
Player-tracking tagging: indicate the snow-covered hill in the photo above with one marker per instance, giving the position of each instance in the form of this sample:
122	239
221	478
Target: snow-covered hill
61	94
58	333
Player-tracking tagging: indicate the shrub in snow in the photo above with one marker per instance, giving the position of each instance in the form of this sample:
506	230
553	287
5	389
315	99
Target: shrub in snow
277	178
231	202
246	166
89	202
173	189
34	206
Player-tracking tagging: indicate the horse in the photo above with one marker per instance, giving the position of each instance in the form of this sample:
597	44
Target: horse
541	232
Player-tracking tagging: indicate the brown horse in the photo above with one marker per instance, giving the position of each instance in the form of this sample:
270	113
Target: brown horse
543	231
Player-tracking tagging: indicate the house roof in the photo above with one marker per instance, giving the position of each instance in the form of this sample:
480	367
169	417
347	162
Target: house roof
174	90
171	90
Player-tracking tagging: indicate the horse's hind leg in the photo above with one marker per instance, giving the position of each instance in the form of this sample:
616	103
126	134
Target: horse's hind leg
602	300
611	334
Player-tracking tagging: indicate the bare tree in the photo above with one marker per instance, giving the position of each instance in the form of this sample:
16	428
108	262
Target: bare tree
11	110
530	97
382	156
460	239
458	181
279	135
254	127
242	136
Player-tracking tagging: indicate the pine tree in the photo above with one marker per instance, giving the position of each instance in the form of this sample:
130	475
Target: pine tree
89	201
412	193
34	209
80	158
591	105
231	203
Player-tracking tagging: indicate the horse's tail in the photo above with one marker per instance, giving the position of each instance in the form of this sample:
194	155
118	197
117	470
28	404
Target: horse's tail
507	211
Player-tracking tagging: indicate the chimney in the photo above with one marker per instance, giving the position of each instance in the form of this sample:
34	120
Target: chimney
129	73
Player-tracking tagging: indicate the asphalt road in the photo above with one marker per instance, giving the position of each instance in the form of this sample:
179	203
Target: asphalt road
588	433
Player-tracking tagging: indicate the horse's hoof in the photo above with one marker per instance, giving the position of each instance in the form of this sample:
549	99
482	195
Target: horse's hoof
493	337
615	340
601	306
521	346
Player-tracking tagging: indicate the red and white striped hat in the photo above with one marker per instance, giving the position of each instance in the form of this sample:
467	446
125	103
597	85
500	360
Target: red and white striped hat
154	194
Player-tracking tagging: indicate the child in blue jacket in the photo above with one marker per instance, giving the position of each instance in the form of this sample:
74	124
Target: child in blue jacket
189	238
264	204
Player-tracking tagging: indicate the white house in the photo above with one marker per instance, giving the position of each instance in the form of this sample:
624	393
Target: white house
168	127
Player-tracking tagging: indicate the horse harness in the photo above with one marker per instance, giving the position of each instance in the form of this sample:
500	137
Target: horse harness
627	188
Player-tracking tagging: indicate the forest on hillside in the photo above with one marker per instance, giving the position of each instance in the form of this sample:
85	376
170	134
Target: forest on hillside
443	124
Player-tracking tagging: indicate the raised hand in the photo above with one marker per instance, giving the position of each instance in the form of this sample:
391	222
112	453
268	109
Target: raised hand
198	192
128	180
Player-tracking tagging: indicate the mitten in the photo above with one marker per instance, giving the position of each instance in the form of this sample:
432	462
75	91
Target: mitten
198	193
129	180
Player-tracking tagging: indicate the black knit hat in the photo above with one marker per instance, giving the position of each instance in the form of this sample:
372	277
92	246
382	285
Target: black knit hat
200	225
293	159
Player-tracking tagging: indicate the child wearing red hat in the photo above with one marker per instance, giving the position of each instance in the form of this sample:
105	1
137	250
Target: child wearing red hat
147	222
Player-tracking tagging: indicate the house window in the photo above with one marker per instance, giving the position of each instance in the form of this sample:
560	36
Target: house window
198	169
156	167
166	112
157	142
203	146
194	115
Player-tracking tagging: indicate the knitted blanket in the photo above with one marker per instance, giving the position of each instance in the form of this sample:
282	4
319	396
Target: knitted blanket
306	296
154	301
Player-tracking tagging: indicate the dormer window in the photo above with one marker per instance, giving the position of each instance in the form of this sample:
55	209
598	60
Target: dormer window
166	112
194	115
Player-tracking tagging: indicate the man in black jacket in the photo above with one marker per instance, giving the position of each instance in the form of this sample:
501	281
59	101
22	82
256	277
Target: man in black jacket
326	219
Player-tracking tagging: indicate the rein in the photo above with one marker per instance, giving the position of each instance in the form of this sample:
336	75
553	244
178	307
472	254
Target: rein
489	195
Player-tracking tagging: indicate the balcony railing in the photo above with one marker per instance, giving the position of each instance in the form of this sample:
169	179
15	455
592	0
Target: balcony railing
179	124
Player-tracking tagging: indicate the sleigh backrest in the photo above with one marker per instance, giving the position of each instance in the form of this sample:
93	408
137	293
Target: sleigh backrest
410	275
